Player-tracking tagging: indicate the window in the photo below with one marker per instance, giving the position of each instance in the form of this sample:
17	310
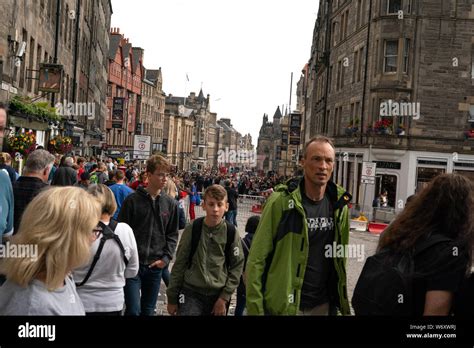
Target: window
472	63
406	56
346	20
355	66
337	120
343	72
331	72
38	62
359	65
355	114
360	13
393	6
31	64
390	56
341	31
338	75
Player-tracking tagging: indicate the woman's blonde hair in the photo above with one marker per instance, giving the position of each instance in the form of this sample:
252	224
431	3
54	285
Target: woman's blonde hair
58	223
105	196
170	188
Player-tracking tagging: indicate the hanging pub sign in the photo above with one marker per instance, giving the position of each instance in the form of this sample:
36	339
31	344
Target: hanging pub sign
50	78
117	112
295	128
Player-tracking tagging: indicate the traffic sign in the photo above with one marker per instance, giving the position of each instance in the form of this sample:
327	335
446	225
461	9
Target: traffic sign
368	173
141	147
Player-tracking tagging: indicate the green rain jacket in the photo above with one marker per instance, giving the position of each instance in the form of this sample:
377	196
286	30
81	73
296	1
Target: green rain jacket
279	253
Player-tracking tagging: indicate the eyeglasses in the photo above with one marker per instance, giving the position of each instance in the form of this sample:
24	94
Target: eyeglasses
97	232
161	175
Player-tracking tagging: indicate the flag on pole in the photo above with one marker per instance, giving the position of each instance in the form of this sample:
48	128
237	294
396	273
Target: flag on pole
187	78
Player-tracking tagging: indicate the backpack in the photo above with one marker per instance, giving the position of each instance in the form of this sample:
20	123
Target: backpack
108	232
198	199
94	179
196	236
386	283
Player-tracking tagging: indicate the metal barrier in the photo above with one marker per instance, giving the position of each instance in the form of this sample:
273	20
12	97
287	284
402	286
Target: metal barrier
247	206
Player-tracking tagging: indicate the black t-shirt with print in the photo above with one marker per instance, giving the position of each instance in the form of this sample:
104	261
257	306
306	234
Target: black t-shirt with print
319	219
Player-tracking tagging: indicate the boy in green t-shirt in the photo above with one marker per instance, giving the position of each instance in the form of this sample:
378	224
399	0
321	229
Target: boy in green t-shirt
205	286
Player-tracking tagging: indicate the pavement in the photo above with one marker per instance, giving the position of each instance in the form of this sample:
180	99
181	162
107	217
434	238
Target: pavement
362	245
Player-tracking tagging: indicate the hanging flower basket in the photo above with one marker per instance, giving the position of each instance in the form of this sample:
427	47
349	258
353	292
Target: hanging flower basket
383	127
23	143
469	134
400	130
350	130
60	144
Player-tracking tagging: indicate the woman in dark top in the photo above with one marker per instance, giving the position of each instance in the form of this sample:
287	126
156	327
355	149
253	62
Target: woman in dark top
444	208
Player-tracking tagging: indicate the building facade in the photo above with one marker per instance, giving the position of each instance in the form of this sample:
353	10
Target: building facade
203	149
178	134
28	39
391	82
269	143
157	108
123	94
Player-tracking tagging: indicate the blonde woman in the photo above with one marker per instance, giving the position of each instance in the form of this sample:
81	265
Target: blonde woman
100	287
170	188
57	229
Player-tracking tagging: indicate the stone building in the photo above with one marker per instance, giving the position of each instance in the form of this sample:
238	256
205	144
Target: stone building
82	38
202	153
93	74
178	133
157	105
269	143
152	105
123	94
391	82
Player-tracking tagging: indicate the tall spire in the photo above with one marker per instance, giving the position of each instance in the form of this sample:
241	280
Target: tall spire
277	113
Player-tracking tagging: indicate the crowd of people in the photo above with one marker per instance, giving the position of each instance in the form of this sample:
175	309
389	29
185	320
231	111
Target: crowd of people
106	236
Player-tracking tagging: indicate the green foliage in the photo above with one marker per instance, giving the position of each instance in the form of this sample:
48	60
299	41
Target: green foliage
40	110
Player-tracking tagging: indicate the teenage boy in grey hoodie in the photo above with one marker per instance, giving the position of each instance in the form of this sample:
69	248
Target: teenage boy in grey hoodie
153	216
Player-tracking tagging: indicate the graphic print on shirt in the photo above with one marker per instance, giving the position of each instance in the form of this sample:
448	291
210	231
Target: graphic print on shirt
322	224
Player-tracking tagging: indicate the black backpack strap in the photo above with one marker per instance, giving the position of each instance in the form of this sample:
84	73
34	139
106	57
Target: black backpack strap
94	262
195	237
113	225
107	233
230	239
244	244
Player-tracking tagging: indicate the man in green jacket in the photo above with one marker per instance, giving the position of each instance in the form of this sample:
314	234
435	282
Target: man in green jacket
292	268
205	285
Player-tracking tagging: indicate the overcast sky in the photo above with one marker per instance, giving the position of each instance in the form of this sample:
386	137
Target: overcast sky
242	52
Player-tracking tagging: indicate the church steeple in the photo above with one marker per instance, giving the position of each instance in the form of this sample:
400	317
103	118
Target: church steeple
277	113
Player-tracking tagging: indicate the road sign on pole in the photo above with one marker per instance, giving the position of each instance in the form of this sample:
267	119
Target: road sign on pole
368	173
141	147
